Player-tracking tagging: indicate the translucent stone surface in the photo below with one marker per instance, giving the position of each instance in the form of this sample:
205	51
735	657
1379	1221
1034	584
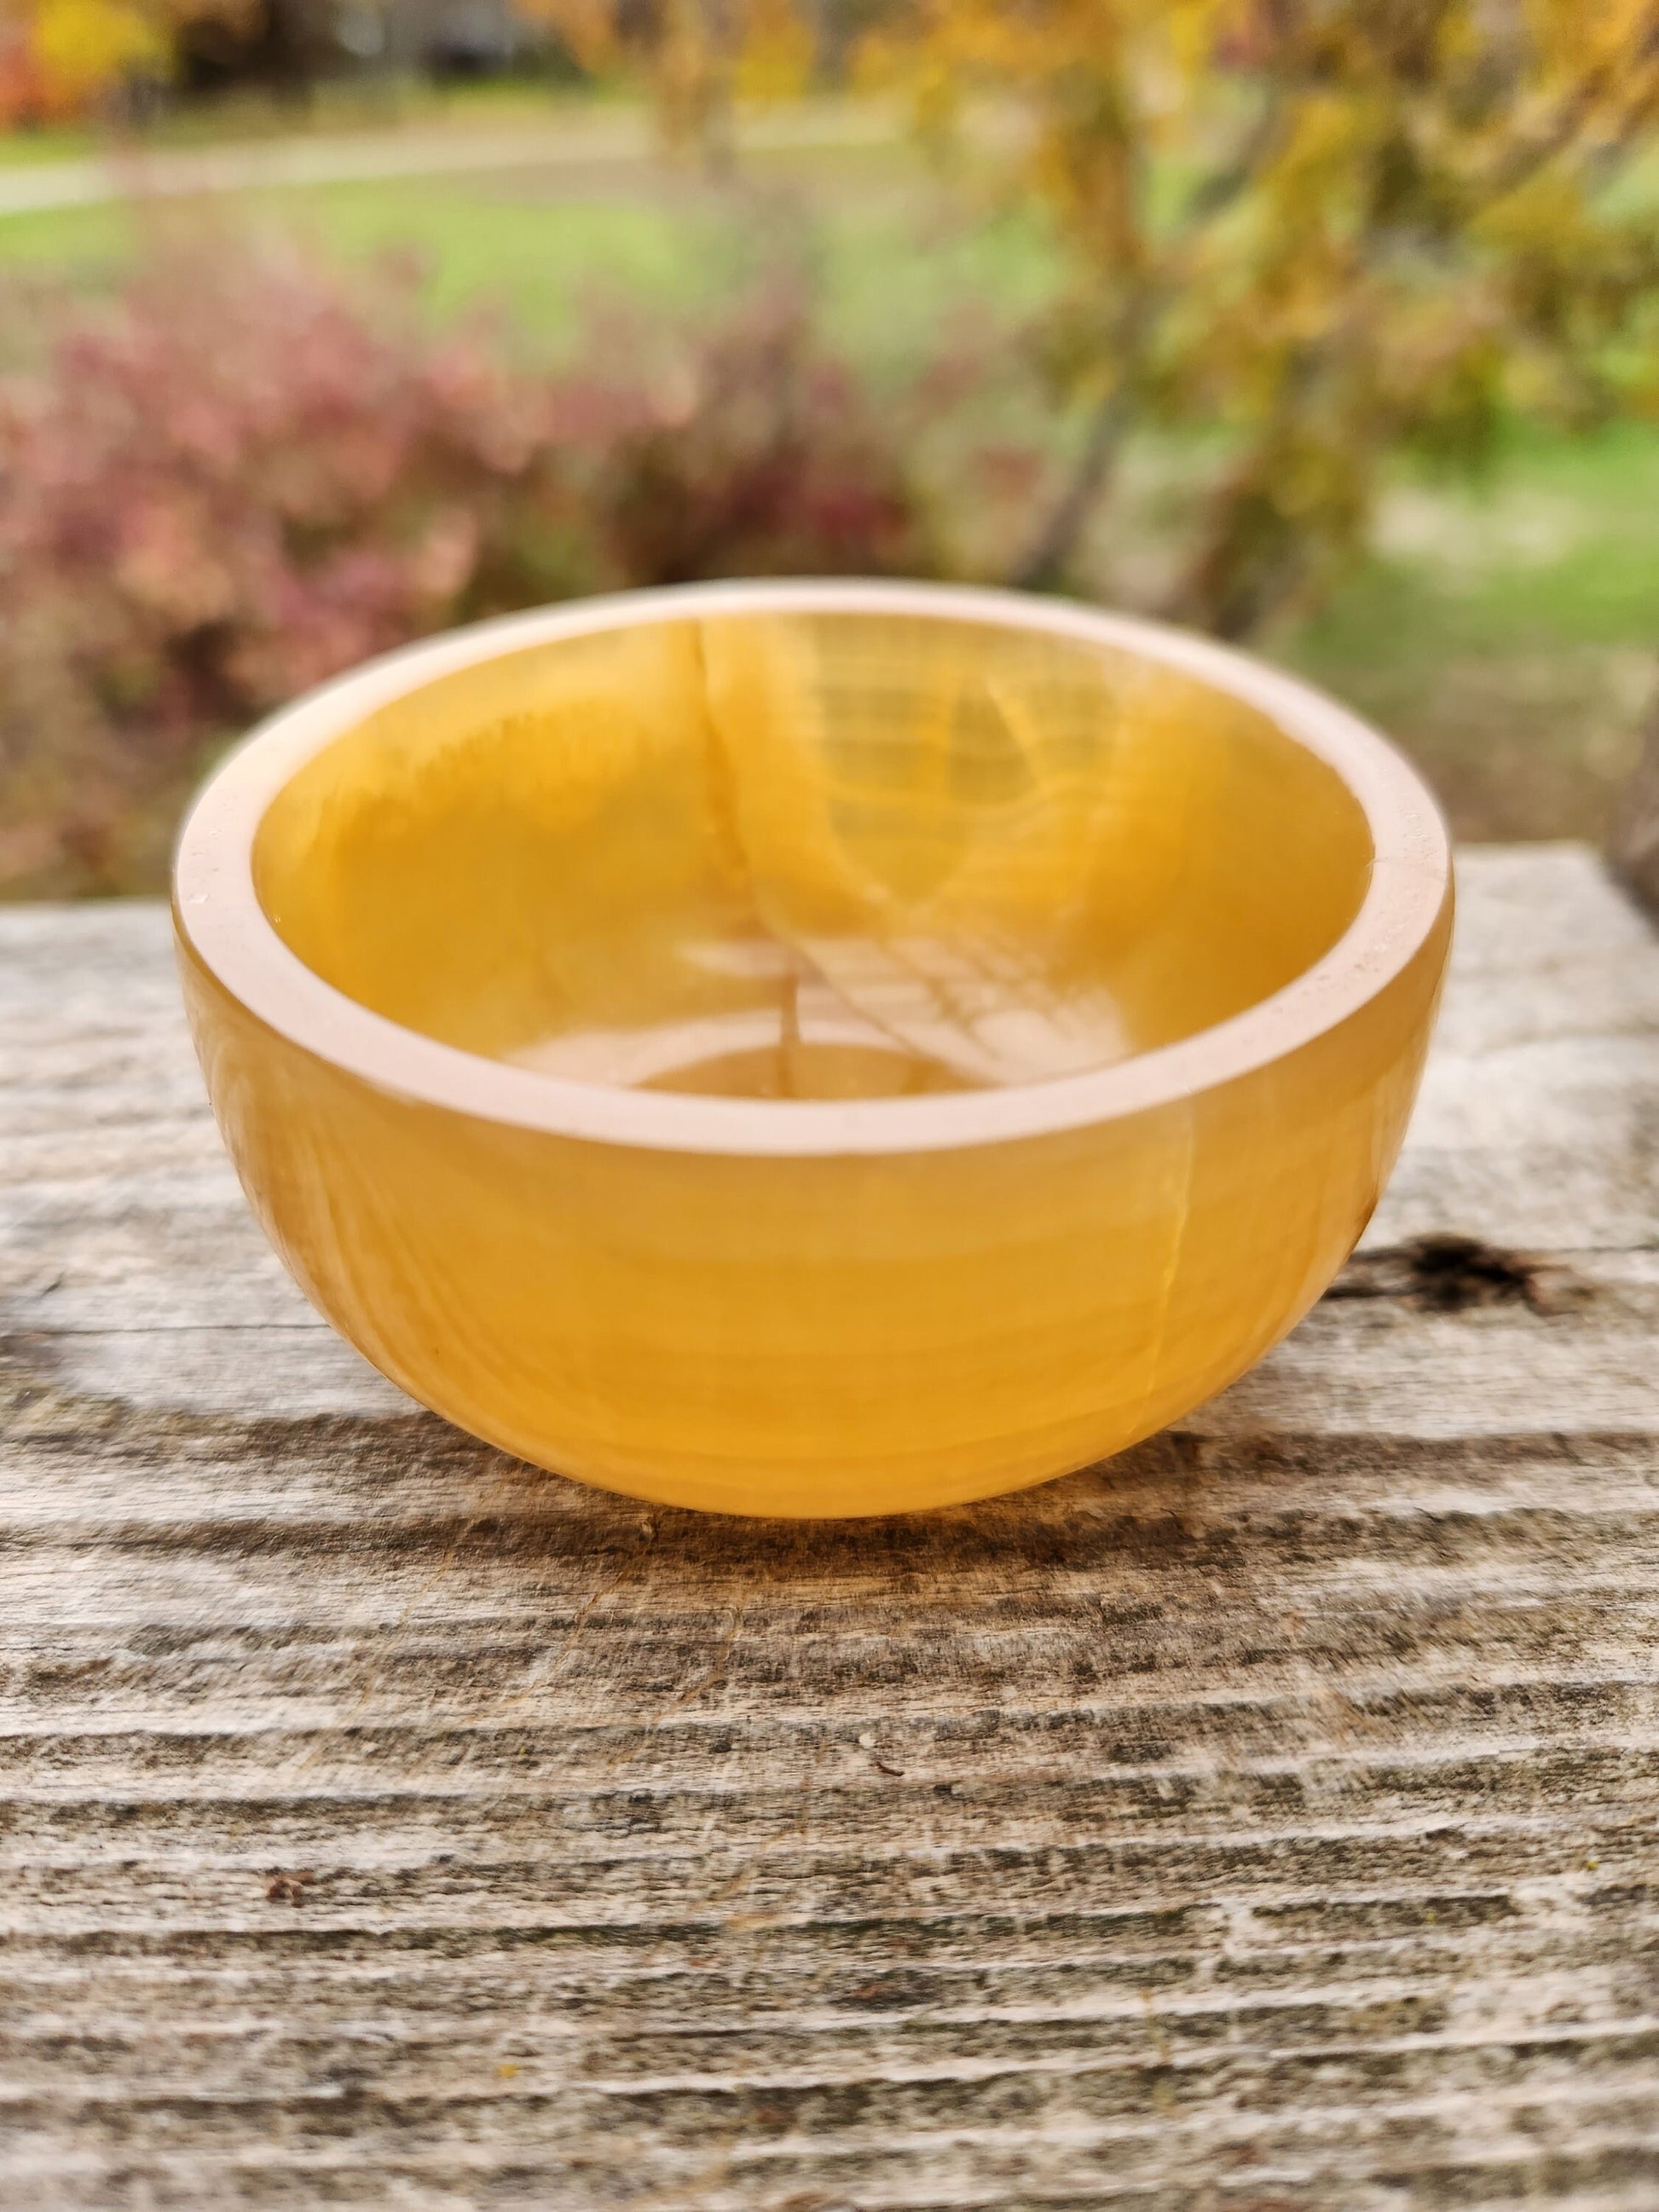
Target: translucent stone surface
813	856
770	859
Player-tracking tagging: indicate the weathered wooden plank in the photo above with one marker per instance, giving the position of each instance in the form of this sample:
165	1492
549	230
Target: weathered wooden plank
1266	1820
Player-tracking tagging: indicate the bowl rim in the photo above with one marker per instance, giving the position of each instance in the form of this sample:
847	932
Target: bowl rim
218	914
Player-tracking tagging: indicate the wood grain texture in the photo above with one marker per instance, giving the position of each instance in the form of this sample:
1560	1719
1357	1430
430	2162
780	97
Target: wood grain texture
1269	1820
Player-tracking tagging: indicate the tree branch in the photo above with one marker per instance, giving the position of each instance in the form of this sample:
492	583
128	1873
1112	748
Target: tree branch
1046	559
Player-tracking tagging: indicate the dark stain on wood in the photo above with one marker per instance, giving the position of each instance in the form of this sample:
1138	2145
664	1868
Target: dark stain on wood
1447	1272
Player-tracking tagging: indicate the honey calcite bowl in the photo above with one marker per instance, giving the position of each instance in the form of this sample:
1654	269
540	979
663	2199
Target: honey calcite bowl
813	1048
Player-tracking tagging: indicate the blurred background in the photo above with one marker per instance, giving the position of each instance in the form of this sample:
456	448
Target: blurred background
1330	326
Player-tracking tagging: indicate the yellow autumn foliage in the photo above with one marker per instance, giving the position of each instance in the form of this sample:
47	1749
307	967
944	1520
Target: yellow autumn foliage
69	58
1333	230
82	48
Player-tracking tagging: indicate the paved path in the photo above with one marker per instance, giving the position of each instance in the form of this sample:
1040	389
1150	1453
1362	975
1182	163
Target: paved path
567	140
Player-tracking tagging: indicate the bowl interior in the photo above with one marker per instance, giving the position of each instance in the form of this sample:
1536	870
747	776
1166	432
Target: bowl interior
813	855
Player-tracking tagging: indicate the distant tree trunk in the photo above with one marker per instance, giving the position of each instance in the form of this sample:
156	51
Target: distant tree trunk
833	29
295	49
1633	845
1043	565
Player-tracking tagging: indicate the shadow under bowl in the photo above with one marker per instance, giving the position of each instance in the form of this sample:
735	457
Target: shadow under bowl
813	1048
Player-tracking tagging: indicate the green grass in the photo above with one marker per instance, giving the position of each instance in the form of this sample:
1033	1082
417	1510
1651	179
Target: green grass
87	244
486	246
1509	634
54	143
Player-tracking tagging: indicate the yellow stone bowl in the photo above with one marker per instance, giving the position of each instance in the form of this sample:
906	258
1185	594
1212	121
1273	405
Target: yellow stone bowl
813	1048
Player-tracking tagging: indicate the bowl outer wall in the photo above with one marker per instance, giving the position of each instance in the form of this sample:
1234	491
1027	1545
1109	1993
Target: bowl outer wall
820	1334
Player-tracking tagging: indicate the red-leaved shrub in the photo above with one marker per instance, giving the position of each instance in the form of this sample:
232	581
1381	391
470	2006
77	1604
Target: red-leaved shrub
245	474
